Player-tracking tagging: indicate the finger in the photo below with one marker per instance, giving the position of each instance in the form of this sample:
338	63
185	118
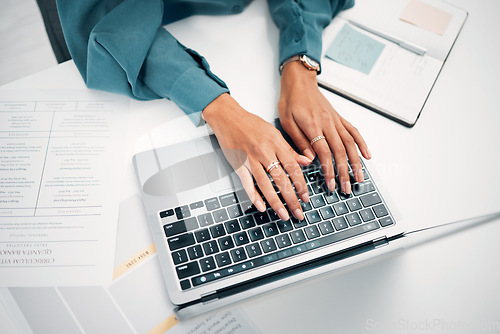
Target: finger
340	157
352	153
287	192
268	191
363	147
299	138
325	157
247	182
295	174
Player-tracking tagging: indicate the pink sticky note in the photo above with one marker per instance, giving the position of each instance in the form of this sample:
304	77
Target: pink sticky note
426	16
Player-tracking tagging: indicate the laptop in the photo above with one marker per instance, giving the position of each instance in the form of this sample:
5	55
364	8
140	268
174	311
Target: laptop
215	248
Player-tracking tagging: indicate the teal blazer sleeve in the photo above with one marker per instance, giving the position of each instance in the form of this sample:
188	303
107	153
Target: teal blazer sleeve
301	24
121	46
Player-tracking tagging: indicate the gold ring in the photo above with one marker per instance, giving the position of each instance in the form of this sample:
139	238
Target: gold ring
272	166
315	139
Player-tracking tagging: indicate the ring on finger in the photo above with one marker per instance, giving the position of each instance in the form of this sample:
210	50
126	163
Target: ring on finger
315	139
273	165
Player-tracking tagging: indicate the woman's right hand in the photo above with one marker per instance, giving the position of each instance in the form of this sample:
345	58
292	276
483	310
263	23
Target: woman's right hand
251	145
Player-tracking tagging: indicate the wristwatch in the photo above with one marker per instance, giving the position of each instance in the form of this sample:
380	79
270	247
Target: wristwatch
310	64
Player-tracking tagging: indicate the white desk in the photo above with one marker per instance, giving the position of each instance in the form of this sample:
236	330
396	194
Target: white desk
442	170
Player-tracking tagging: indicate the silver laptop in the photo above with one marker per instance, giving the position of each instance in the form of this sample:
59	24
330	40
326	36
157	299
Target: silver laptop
215	248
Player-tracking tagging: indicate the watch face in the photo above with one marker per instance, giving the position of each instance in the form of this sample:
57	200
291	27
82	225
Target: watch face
310	63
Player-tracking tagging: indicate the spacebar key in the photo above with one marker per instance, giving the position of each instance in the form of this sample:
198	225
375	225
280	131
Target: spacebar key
349	233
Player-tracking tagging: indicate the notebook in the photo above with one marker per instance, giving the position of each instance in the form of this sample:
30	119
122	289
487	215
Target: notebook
215	248
386	55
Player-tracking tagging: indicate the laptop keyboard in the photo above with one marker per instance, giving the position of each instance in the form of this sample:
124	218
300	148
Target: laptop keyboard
226	235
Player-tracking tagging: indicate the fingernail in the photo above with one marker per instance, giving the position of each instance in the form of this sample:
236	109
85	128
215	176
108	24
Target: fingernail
305	197
298	214
308	153
331	184
283	214
346	187
368	154
260	206
359	176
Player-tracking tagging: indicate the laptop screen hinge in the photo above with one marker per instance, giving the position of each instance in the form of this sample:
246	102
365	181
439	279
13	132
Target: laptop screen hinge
380	242
209	297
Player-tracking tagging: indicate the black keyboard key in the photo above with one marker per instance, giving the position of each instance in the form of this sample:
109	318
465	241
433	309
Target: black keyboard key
273	215
370	199
167	213
180	227
284	226
228	199
248	207
212	204
380	210
205	219
232	226
313	176
353	219
340	208
182	212
268	245
332	197
210	247
196	205
326	227
309	190
238	254
226	243
363	188
253	250
306	206
327	212
298	223
202	235
195	252
256	234
386	221
241	238
313	217
283	240
181	241
367	215
185	284
339	223
207	264
234	211
217	231
223	259
318	187
220	215
270	229
354	204
318	201
297	236
179	256
261	218
247	222
188	269
312	232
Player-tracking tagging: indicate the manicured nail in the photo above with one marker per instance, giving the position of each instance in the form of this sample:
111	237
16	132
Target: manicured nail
346	187
308	153
359	176
331	184
260	206
305	197
368	154
283	214
298	214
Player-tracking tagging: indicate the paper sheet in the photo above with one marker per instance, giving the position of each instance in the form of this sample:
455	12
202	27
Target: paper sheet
355	49
426	16
61	167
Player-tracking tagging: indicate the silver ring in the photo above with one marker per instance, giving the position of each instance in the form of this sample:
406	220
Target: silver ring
272	166
315	139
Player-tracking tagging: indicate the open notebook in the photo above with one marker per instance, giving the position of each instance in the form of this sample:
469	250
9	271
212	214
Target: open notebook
387	54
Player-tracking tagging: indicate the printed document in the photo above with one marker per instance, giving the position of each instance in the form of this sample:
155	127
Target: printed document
61	162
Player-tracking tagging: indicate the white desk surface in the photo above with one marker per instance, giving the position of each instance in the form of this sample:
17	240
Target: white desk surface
442	170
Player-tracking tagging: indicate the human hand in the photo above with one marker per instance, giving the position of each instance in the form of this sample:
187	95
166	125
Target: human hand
306	114
251	145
